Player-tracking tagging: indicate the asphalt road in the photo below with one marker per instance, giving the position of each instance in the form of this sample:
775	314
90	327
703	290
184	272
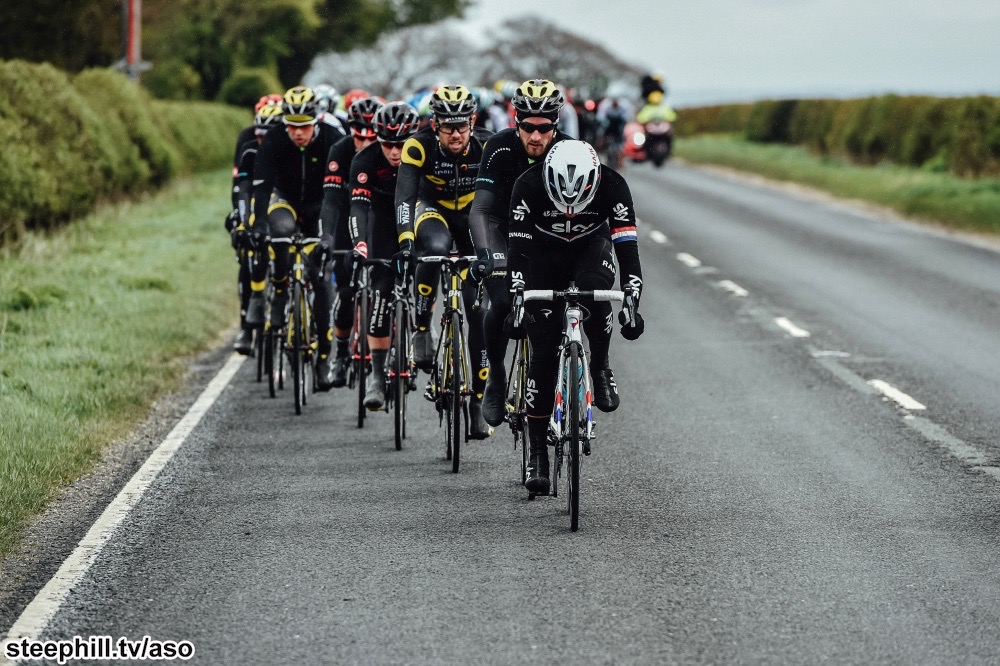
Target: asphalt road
754	500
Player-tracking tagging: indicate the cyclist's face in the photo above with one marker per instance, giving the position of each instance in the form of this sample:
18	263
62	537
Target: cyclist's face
393	152
454	136
301	135
534	141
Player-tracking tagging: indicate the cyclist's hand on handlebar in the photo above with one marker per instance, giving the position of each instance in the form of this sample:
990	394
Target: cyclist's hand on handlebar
259	240
240	238
325	246
232	220
482	266
513	325
360	250
632	324
403	260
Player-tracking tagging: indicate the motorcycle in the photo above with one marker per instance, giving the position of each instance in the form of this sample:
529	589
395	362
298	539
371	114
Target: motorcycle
659	141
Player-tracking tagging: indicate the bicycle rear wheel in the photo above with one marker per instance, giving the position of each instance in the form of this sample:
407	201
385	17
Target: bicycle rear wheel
296	340
456	391
361	319
518	419
273	366
258	351
575	443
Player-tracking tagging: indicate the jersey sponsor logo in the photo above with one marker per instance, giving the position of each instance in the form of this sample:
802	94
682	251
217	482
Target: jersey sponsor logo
635	281
567	227
332	166
361	192
621	212
530	390
333	179
362	177
517	279
520	234
498	255
607	264
404	216
521	210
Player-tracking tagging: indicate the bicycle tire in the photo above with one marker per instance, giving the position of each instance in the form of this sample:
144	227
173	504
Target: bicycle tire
456	392
258	351
519	420
269	369
362	319
575	443
400	378
296	346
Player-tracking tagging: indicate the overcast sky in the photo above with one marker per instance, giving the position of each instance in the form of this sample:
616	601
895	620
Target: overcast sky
719	49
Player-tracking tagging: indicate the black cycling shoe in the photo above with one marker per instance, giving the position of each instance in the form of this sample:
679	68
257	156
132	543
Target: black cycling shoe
374	392
243	344
423	349
537	481
477	426
494	397
605	390
278	310
342	365
255	309
324	373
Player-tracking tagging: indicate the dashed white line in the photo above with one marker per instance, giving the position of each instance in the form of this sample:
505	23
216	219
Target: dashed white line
791	328
688	260
894	394
734	288
658	237
46	603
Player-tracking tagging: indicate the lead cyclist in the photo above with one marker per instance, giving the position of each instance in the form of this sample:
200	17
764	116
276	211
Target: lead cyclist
566	215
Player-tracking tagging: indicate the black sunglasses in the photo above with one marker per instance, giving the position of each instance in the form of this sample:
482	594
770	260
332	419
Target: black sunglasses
541	128
392	144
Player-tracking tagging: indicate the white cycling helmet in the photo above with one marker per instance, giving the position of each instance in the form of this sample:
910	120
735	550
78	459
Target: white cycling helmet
571	174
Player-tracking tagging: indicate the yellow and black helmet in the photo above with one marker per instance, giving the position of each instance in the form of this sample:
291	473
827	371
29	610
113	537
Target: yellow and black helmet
300	106
452	103
538	97
267	115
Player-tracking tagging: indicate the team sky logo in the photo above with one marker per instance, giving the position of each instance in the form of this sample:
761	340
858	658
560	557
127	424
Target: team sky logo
521	210
530	391
620	212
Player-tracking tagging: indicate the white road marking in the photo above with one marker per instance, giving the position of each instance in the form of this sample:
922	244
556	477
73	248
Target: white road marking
791	328
894	394
658	236
46	603
734	288
688	260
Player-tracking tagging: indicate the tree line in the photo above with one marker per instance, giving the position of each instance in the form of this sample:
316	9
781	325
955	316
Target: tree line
228	50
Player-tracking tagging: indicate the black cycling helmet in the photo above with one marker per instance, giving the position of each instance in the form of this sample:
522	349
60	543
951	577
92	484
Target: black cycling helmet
361	116
452	103
396	122
538	97
300	106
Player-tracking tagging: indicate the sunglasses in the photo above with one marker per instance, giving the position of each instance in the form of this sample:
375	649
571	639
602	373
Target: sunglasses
392	144
541	128
452	128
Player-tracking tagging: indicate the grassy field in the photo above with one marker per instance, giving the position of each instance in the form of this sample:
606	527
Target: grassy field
95	321
966	204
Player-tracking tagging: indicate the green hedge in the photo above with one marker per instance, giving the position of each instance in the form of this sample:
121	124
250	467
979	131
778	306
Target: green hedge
960	135
70	143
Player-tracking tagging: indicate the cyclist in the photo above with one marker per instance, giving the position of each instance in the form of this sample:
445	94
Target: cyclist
505	157
336	207
567	214
372	220
613	113
287	196
437	181
328	98
267	116
656	110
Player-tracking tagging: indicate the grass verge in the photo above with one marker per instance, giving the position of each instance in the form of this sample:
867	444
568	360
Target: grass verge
93	321
961	203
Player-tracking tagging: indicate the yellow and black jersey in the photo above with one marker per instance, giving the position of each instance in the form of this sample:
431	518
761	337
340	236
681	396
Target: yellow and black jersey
429	172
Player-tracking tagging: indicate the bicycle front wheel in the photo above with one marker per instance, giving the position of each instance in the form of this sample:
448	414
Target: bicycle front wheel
573	417
297	343
361	319
456	391
401	368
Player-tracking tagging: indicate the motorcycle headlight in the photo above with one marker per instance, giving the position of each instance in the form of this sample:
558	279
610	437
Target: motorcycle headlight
638	138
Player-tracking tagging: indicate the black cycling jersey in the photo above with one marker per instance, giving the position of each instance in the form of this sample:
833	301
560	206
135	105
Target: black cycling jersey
373	190
243	178
538	228
296	173
434	174
245	135
504	159
336	195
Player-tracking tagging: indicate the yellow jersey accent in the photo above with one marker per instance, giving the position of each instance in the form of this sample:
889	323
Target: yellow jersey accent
406	235
282	204
413	152
258	286
463	201
436	180
431	214
425	289
484	373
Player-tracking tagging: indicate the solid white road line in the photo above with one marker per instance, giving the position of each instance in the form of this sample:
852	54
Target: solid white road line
791	328
659	237
734	288
894	394
46	603
688	260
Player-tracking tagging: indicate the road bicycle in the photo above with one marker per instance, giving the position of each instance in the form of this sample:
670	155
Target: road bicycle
571	426
517	408
300	338
449	387
401	371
